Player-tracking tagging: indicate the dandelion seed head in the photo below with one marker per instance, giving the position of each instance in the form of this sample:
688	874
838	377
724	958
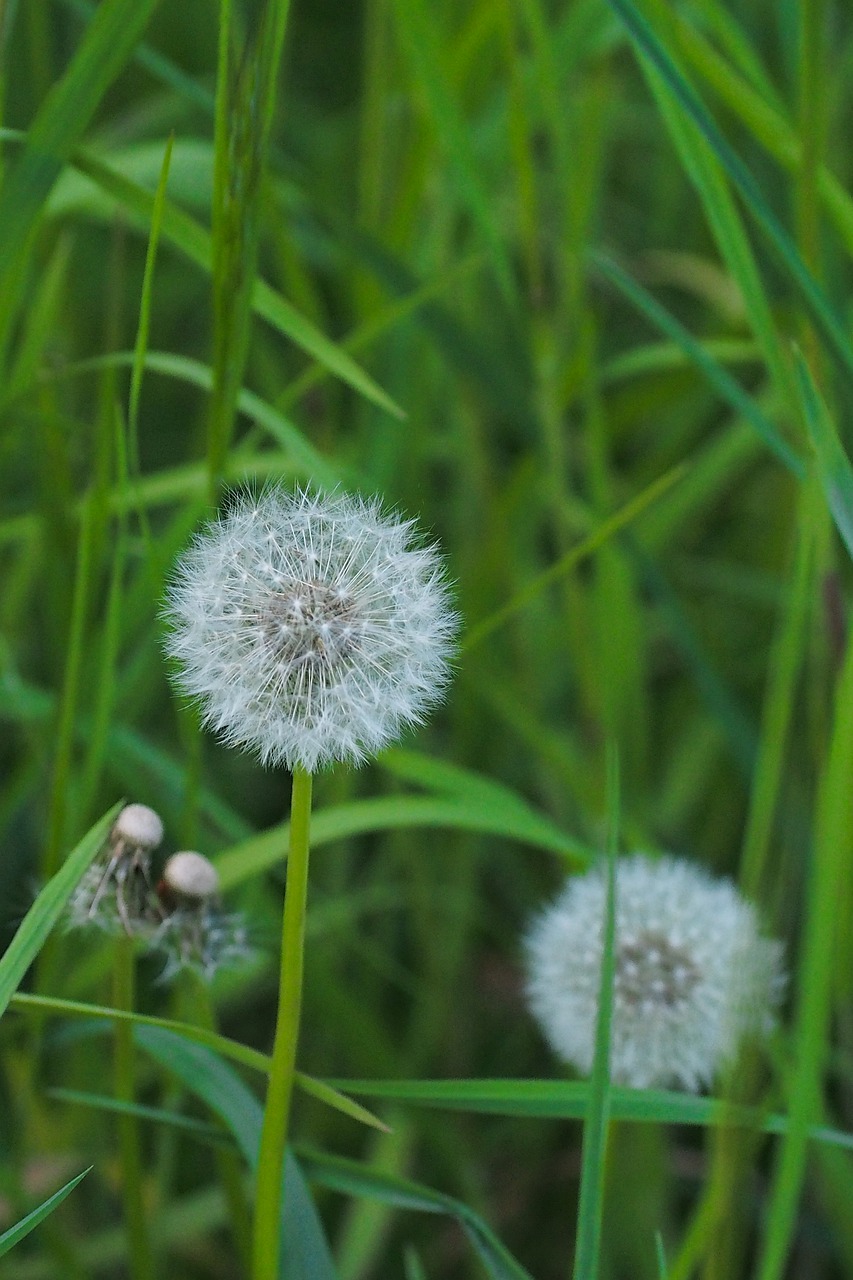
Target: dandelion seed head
311	627
693	975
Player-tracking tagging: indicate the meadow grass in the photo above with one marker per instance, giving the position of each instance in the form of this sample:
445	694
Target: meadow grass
568	283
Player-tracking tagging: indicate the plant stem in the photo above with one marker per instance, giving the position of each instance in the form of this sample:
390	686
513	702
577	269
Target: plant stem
139	1246
268	1202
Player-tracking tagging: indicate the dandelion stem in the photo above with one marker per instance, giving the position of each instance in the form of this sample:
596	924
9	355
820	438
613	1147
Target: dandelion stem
269	1198
139	1245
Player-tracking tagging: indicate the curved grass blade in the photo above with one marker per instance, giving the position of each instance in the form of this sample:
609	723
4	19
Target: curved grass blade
23	1228
195	242
723	383
219	1044
389	813
48	907
158	1115
811	294
304	1247
352	1178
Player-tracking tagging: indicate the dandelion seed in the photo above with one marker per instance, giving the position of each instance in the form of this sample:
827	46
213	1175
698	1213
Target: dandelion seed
693	975
312	628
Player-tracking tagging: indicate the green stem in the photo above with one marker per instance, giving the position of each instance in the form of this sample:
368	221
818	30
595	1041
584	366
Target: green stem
139	1246
268	1202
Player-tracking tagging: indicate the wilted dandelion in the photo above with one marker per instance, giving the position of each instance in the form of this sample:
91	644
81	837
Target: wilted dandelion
693	976
311	627
196	933
116	893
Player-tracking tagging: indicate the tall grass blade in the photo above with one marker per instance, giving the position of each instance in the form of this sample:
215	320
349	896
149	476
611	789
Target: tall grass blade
591	1202
48	908
23	1228
56	130
779	240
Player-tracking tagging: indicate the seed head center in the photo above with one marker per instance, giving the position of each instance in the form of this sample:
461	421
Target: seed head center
651	970
309	622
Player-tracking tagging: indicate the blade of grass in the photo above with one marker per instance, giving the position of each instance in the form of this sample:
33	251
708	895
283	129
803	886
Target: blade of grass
260	853
352	1178
697	353
23	1228
828	876
591	1201
606	530
220	1044
57	128
810	293
48	907
204	1074
834	469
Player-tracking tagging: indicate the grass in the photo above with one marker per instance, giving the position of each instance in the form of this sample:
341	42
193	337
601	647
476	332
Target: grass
569	283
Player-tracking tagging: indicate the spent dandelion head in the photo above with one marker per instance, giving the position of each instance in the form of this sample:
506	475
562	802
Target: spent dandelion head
311	627
195	932
116	893
693	975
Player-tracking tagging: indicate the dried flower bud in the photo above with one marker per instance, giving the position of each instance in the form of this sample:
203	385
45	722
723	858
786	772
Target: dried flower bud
139	826
191	876
116	893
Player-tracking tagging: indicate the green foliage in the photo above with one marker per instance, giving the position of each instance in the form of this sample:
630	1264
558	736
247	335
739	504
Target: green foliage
569	283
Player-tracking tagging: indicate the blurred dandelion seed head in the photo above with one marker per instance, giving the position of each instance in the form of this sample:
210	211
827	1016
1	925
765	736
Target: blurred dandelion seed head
693	976
311	627
116	893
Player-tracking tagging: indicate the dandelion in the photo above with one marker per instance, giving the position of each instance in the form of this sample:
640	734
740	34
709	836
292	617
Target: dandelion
693	975
196	933
116	893
311	627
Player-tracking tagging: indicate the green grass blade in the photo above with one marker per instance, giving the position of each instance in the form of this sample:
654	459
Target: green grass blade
569	1100
48	907
833	466
23	1228
416	23
828	877
389	813
157	1115
605	531
57	129
219	1044
351	1178
205	1075
722	382
591	1202
187	235
779	240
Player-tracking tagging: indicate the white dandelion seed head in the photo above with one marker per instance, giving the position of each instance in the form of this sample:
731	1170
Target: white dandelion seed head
693	975
311	627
